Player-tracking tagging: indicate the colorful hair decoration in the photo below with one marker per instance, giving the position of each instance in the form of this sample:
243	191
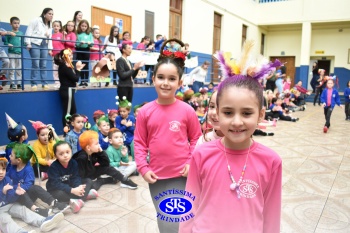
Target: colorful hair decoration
38	125
22	151
256	68
112	111
174	55
66	58
124	103
15	130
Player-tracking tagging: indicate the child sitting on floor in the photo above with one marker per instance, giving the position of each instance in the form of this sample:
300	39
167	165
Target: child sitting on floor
118	153
78	122
112	114
43	148
22	175
277	110
96	116
103	129
64	181
9	209
93	162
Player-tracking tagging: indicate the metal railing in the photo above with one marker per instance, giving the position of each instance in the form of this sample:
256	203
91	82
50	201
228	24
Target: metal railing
268	1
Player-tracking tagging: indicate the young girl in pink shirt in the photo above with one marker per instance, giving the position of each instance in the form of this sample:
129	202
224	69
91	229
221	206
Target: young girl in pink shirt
234	182
168	130
70	38
95	54
55	46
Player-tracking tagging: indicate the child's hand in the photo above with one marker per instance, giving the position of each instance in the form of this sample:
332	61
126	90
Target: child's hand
50	53
341	106
78	191
79	65
185	170
88	42
10	45
12	33
124	151
6	188
82	42
150	177
20	191
128	123
324	105
123	122
123	164
29	47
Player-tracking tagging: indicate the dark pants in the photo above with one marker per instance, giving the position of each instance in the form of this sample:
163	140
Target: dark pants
281	116
83	55
270	85
197	85
32	194
318	95
327	114
125	91
347	110
62	196
269	115
313	82
68	102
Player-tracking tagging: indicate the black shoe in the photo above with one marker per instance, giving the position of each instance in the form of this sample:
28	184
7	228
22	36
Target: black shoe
81	84
128	184
19	86
295	119
114	83
42	212
13	87
107	84
59	205
101	181
270	134
86	84
259	132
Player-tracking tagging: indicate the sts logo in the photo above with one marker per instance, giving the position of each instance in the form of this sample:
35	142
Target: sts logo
175	206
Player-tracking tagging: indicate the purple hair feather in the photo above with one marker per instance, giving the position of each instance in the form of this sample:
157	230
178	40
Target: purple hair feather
267	68
224	67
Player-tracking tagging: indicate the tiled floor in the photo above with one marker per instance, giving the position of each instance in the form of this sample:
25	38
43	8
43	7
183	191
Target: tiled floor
316	184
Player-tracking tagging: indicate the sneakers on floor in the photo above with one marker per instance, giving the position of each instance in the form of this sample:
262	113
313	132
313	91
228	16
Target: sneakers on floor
44	176
45	87
128	184
51	222
13	87
34	87
19	86
295	119
76	205
325	129
92	194
42	212
60	205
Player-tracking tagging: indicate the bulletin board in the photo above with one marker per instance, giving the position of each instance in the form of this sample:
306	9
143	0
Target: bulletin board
105	19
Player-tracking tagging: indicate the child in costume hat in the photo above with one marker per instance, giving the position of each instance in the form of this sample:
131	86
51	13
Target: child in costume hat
16	132
43	147
97	115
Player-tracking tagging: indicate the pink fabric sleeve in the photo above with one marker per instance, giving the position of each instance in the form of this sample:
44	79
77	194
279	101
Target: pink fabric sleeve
72	37
140	143
272	200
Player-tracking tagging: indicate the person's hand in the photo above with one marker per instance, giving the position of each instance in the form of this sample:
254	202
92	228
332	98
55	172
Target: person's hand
50	53
78	191
324	105
150	177
138	65
341	106
124	151
11	33
128	123
184	171
10	45
6	188
82	42
49	162
123	122
123	164
29	47
88	42
79	65
20	191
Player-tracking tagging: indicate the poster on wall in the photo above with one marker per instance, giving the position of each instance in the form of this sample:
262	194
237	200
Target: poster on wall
108	20
119	24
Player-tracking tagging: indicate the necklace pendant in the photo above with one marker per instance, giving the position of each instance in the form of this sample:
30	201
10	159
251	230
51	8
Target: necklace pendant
233	186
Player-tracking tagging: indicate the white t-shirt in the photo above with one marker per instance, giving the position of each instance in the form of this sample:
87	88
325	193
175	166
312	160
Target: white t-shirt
112	47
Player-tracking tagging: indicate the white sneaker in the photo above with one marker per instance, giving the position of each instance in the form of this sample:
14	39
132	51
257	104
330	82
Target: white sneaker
51	222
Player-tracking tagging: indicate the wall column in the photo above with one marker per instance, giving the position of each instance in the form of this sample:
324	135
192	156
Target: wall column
305	53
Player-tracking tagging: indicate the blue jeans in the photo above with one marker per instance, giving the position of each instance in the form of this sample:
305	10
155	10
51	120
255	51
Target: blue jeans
38	53
279	85
196	85
149	75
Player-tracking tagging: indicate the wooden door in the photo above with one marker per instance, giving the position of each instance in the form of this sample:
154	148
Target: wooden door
290	67
216	47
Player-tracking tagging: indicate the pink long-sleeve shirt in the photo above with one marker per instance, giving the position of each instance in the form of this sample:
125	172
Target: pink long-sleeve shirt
56	45
216	208
71	39
170	133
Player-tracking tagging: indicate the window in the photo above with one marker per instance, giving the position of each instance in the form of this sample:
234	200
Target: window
262	45
244	33
175	19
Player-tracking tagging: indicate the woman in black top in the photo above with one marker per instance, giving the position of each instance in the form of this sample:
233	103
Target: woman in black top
315	76
68	76
126	73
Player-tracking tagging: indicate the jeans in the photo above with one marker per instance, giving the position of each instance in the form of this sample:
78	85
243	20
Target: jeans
15	63
5	62
279	85
149	73
196	85
38	53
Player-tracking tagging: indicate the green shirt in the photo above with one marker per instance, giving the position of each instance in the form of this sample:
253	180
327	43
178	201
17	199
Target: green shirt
115	156
16	41
94	128
86	38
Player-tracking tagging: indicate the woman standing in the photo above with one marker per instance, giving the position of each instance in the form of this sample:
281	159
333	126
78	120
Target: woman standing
313	82
126	73
68	76
198	76
40	28
78	16
111	45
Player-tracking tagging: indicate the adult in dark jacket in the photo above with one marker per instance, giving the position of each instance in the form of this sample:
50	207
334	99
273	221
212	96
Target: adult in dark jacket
126	73
68	76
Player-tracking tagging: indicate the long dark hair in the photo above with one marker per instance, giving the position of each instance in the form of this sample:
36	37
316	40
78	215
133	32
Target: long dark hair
44	13
88	30
111	36
75	15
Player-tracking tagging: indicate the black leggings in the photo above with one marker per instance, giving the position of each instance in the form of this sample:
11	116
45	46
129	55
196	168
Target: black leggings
327	115
68	102
32	194
83	55
125	91
62	196
318	95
